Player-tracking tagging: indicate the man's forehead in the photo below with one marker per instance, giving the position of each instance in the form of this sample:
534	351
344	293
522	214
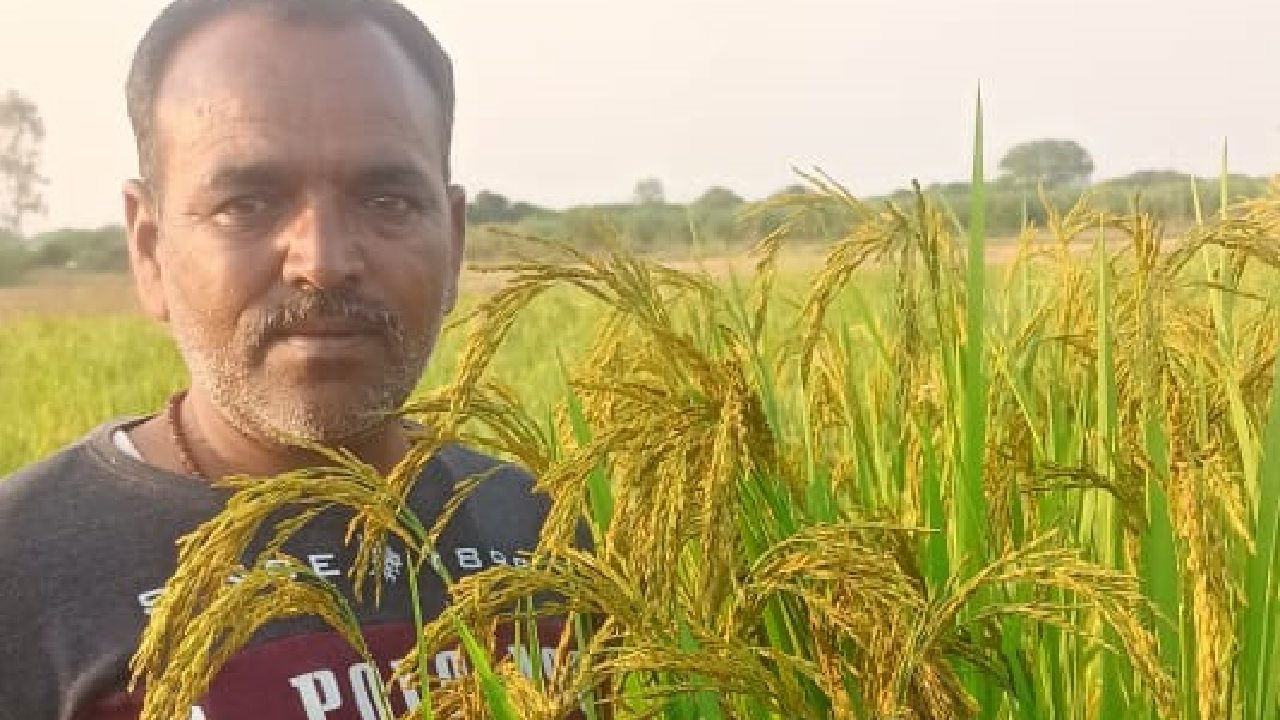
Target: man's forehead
273	169
250	75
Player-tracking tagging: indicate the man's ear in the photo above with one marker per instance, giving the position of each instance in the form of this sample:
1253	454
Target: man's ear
143	227
457	242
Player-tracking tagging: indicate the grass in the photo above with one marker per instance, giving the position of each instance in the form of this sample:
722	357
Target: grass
61	375
907	484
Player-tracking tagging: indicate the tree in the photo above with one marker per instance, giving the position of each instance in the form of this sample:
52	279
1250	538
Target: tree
1052	162
490	207
791	191
1152	177
715	214
14	258
649	192
21	132
718	198
102	250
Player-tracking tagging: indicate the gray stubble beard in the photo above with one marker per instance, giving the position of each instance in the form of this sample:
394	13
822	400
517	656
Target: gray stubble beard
254	403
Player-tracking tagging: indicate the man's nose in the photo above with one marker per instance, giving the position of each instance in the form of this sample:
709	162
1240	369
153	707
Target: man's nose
322	250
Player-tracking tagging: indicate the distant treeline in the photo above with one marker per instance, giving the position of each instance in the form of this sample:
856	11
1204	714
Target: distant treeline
100	250
718	220
1167	195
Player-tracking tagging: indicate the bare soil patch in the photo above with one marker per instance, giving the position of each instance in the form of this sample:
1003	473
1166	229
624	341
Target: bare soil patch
68	293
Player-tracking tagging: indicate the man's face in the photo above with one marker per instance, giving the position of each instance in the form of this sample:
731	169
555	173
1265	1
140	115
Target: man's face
306	243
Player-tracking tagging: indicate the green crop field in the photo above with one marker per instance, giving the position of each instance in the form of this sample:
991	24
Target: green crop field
907	483
63	374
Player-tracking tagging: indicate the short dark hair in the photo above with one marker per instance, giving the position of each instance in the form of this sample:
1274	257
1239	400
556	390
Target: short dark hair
181	18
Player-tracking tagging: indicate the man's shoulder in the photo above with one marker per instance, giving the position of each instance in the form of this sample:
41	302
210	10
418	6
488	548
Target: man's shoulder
505	504
81	467
498	481
460	462
44	481
48	530
86	494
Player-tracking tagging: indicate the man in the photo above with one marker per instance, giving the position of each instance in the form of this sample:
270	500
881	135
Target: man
296	230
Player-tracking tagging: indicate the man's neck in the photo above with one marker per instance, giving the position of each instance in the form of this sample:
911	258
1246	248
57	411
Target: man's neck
219	448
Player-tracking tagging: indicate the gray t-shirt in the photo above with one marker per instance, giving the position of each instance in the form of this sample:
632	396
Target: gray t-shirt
87	541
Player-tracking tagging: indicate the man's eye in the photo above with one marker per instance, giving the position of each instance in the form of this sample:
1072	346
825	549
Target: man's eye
394	207
241	210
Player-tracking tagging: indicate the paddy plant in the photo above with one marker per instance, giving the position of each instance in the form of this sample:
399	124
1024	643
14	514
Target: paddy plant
912	483
1041	490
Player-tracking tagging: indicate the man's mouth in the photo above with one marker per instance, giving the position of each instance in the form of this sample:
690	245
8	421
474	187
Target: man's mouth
329	328
332	326
323	337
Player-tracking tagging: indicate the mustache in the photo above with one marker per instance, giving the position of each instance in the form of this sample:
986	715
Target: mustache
305	306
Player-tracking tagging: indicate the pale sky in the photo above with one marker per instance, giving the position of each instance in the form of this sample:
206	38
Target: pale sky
562	102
